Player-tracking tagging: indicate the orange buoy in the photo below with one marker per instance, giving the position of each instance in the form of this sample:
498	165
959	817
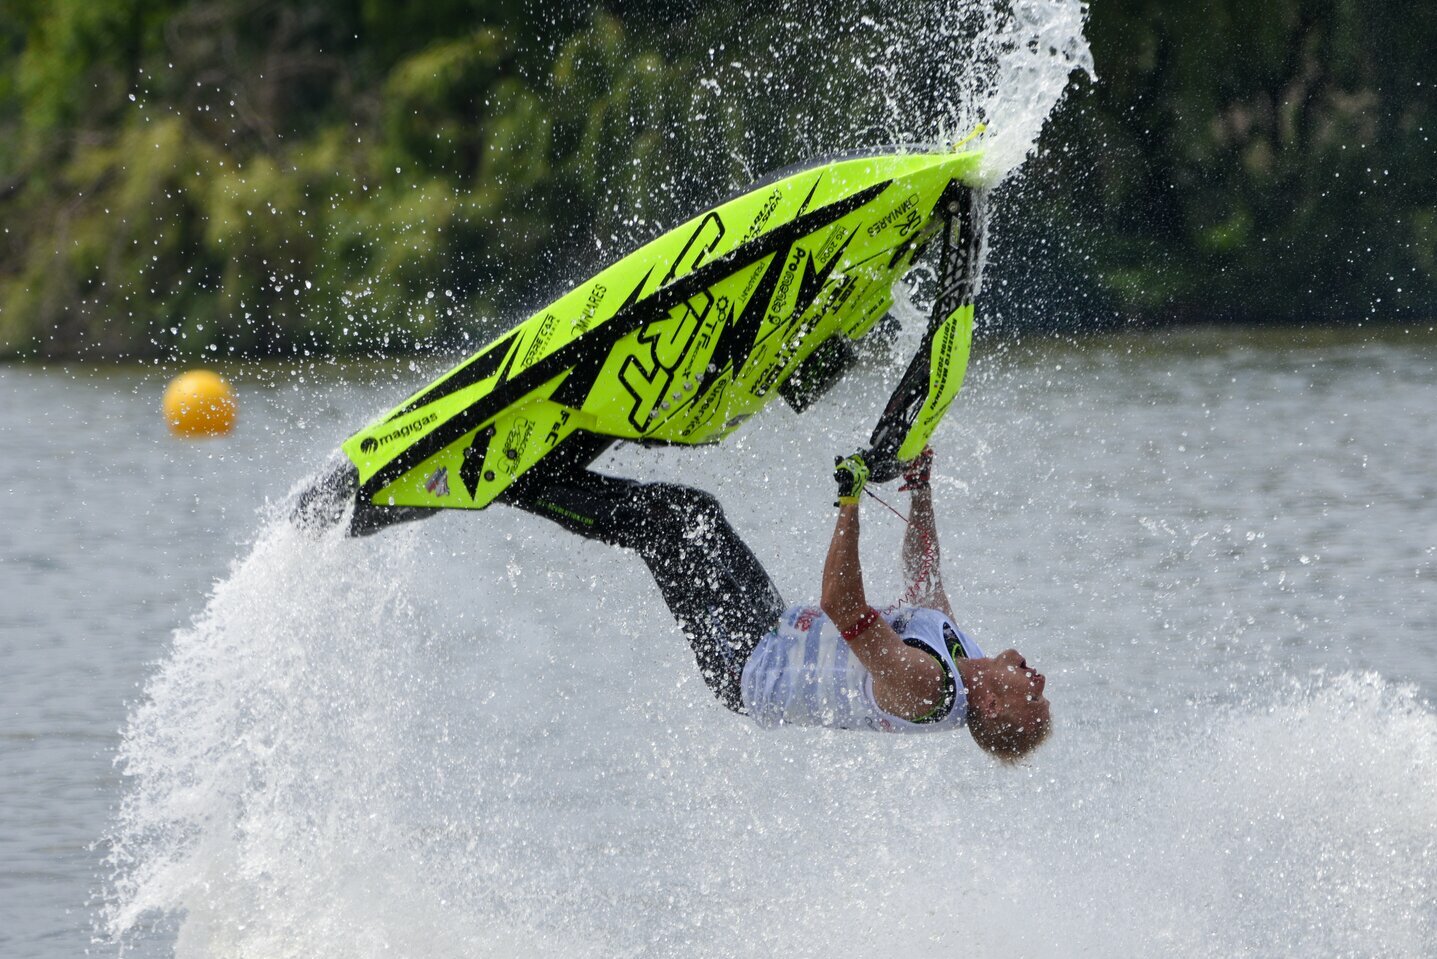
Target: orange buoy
199	403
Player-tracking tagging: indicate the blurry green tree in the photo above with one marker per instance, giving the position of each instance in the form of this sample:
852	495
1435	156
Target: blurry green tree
1249	162
258	178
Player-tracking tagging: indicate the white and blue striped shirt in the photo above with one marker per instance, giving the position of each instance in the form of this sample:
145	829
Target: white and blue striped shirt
804	674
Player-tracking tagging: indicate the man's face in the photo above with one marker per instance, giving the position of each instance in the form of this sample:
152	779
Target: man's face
1018	690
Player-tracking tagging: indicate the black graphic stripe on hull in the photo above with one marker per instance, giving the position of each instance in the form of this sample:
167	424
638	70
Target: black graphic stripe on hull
481	367
603	337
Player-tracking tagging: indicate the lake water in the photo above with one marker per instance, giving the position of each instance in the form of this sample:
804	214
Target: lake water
475	736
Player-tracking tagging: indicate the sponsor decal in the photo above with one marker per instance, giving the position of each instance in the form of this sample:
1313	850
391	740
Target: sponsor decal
591	307
759	222
663	344
905	213
937	388
371	443
837	237
553	436
708	337
515	443
558	510
805	619
753	280
706	408
814	275
780	364
540	341
785	283
438	482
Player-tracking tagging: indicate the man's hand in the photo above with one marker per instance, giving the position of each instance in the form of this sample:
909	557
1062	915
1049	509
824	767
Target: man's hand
851	475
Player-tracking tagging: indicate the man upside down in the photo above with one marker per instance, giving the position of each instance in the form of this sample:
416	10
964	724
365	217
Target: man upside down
842	664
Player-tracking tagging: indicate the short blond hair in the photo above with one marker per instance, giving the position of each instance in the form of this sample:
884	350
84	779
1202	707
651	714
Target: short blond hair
1004	739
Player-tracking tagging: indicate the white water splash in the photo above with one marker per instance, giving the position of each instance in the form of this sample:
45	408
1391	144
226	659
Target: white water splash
952	65
917	72
421	745
288	759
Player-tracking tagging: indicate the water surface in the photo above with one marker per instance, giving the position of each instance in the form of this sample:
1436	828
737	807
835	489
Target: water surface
475	736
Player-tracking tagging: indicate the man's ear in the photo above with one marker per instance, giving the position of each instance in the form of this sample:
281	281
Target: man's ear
982	698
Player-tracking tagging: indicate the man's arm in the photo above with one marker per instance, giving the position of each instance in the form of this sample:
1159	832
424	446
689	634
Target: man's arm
907	682
922	566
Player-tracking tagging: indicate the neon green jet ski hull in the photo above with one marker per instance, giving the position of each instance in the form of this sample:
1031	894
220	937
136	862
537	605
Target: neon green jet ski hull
684	339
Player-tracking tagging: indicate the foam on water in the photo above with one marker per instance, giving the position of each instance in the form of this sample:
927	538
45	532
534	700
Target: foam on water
459	740
278	758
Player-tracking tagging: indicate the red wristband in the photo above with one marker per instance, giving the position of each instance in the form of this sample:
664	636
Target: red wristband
864	621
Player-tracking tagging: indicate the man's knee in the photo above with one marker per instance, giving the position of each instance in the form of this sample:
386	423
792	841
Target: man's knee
685	505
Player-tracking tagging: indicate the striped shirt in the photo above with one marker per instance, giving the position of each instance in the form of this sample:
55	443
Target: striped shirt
804	674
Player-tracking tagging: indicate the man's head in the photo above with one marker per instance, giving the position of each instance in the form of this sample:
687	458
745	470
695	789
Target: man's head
1007	712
